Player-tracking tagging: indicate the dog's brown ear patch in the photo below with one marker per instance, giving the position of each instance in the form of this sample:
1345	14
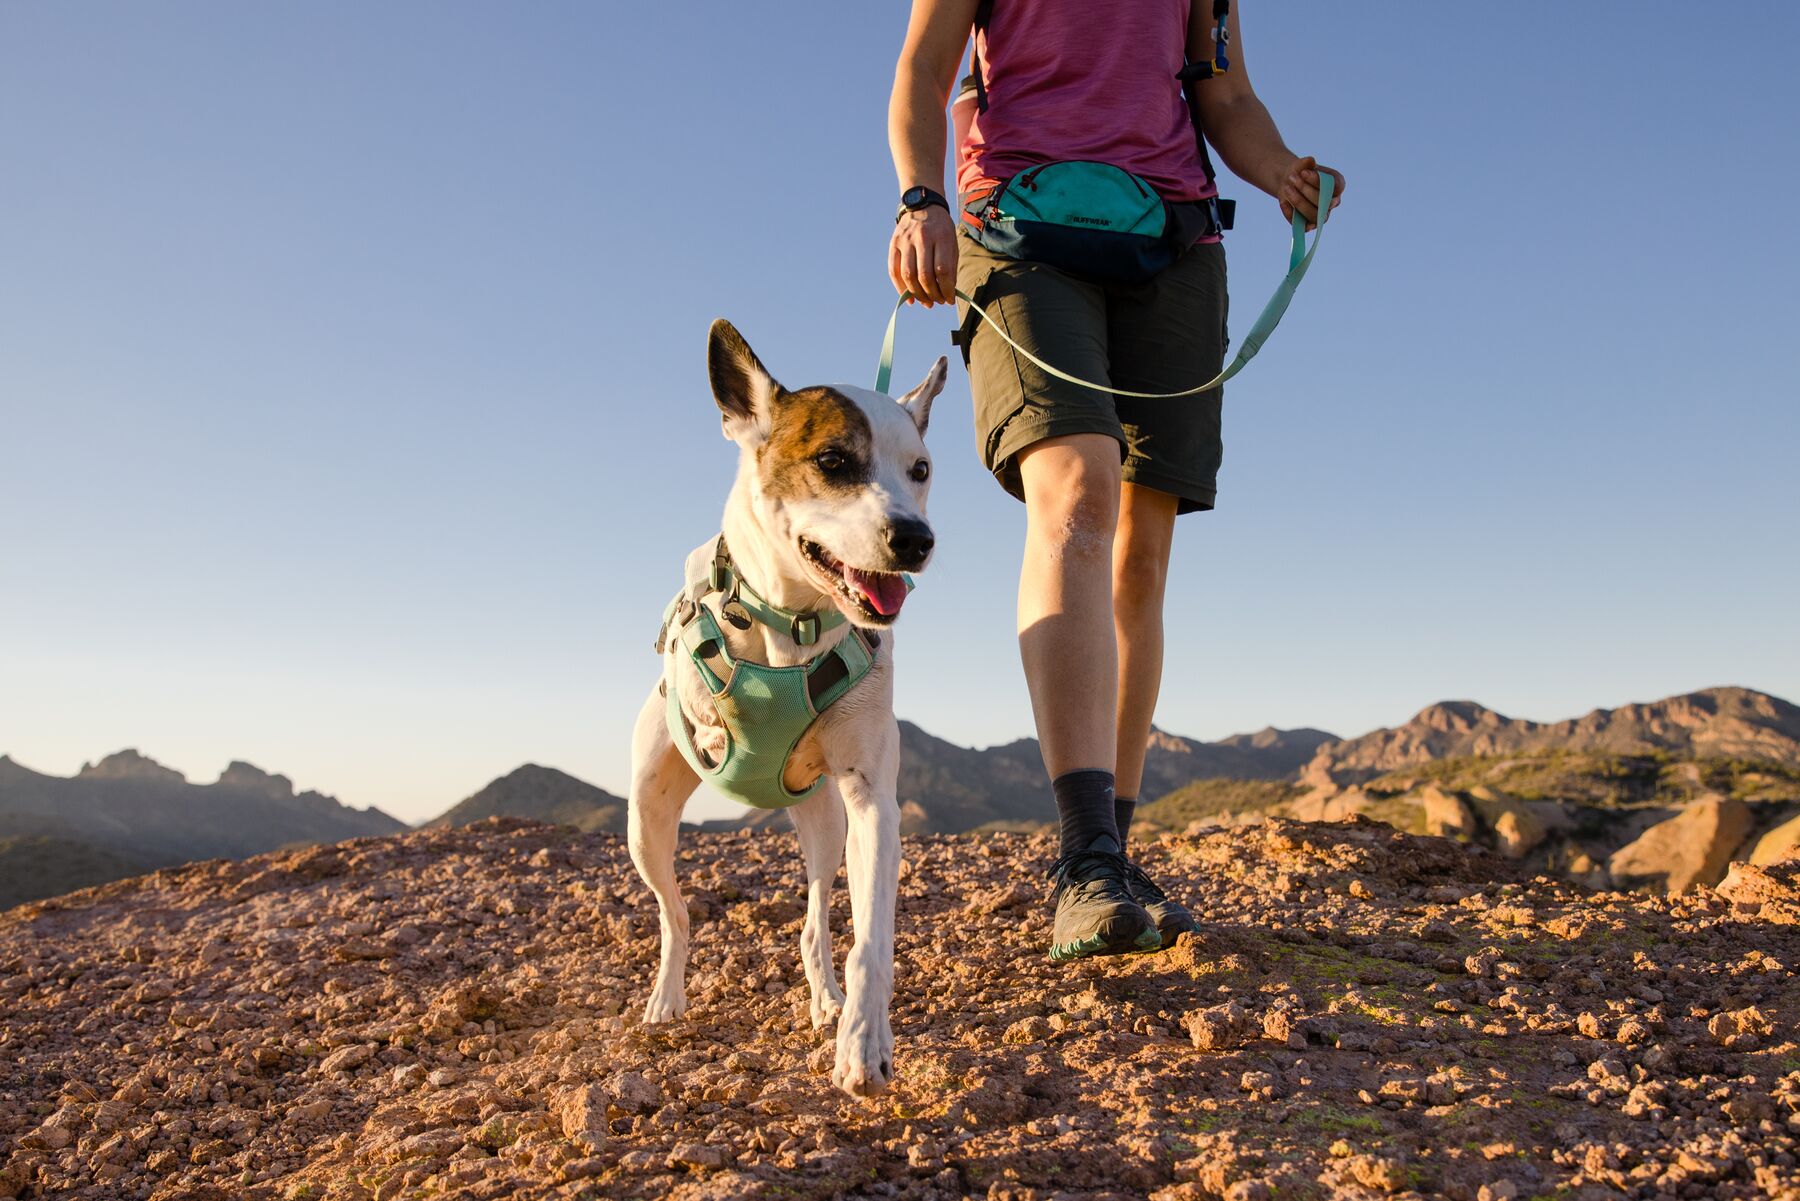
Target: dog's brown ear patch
742	387
806	425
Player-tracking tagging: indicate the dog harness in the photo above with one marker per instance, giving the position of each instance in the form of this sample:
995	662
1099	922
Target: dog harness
765	710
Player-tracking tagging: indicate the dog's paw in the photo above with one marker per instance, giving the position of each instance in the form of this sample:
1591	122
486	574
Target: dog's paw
666	1004
827	1004
865	1056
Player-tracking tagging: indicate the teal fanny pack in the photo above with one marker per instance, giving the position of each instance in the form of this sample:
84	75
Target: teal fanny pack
1091	218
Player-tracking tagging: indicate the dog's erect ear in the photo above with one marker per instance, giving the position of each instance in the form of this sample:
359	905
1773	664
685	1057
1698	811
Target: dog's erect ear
743	388
917	403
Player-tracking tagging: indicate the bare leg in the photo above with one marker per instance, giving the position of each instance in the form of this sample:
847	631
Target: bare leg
1066	635
821	825
1140	574
865	1040
661	782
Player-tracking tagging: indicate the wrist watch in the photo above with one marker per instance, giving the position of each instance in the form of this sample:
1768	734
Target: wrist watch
914	199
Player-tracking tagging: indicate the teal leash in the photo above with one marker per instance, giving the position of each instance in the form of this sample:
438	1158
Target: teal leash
1300	257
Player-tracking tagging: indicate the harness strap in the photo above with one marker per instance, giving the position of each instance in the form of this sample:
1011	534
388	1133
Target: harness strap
1300	257
803	626
702	639
748	697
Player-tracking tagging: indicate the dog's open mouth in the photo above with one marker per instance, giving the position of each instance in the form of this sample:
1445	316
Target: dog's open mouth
877	595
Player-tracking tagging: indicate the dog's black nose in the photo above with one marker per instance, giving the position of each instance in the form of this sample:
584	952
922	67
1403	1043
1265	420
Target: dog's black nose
910	541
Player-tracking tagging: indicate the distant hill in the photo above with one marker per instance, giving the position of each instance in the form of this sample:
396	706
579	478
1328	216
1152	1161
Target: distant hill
1570	793
35	866
128	813
1667	794
544	794
1721	723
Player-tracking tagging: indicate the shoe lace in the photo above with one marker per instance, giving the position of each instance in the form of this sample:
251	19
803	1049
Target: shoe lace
1145	887
1092	875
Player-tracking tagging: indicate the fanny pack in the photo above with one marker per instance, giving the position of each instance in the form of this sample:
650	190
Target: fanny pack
1091	218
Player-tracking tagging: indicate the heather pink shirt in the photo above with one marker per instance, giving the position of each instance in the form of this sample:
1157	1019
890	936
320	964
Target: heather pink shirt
1076	79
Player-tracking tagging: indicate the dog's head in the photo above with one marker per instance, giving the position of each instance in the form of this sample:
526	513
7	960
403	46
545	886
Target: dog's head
836	476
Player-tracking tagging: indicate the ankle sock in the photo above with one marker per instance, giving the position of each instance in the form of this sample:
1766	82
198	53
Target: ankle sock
1084	803
1123	808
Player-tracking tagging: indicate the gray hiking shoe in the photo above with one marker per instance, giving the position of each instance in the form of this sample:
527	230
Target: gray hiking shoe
1171	917
1095	912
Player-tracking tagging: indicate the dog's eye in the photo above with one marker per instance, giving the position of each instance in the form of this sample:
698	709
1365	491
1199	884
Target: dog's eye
921	471
832	461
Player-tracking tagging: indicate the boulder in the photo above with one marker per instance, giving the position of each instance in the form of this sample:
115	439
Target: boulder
1769	893
914	819
1336	806
1520	827
1446	814
1690	849
1584	869
1517	832
1783	842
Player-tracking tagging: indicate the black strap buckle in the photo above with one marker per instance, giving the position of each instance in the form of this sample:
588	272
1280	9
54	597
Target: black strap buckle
804	629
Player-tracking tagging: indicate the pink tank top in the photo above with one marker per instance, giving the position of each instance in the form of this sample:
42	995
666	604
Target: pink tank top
1071	79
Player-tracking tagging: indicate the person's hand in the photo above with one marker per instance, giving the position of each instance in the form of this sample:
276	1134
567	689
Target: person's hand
1299	190
922	256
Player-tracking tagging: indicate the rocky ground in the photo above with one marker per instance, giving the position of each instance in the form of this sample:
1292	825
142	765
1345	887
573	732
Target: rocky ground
453	1013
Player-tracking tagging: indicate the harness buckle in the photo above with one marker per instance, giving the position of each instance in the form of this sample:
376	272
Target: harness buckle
719	575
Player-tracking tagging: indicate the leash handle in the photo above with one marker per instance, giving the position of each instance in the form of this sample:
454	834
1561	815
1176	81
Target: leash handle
1300	257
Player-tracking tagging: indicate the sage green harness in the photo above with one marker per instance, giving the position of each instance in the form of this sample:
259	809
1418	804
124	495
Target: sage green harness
765	710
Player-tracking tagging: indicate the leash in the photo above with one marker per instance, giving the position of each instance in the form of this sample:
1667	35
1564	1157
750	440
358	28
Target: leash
1300	257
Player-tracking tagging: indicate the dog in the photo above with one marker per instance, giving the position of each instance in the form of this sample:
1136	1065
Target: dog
826	514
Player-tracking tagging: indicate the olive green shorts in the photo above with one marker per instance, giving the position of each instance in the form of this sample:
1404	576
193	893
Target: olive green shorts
1159	336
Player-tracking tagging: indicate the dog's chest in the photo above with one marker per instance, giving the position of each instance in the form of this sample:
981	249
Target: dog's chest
751	649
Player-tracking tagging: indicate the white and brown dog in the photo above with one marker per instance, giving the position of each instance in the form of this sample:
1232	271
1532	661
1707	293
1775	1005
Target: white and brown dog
828	510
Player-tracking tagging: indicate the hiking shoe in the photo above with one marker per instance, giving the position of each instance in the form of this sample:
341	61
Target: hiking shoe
1095	912
1171	917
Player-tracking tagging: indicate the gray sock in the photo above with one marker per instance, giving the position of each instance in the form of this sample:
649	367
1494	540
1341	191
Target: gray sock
1084	803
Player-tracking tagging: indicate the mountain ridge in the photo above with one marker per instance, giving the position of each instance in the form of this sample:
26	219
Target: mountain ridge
127	812
1724	722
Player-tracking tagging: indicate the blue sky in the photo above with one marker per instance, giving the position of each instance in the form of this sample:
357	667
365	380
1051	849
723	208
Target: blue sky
354	421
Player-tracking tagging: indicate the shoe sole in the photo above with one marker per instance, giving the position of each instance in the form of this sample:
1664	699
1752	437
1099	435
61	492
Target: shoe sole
1175	930
1099	944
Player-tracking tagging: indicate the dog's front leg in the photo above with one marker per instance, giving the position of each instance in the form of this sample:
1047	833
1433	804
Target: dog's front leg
661	782
819	820
865	1040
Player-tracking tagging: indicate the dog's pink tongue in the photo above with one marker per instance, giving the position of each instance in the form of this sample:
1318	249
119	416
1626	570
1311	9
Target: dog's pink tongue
886	591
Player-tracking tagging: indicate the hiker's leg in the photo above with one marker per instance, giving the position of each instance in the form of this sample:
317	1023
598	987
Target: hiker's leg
1140	573
1066	638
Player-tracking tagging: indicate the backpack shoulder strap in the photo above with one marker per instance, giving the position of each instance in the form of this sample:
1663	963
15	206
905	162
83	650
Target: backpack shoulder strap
984	12
1198	71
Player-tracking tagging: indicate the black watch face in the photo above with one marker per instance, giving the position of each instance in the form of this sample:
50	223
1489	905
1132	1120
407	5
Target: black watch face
914	198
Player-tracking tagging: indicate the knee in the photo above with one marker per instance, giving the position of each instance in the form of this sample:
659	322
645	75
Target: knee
1072	491
1139	581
